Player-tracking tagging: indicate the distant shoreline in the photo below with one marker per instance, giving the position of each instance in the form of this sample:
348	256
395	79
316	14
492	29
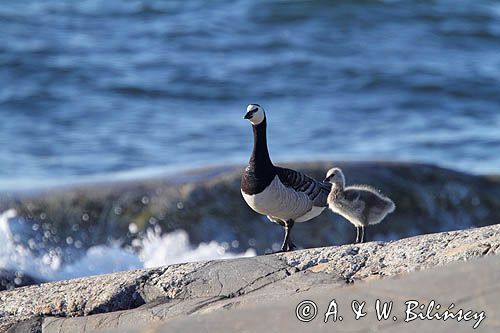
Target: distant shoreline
176	175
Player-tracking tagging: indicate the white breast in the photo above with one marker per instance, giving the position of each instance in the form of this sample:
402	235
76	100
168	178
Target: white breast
315	211
281	202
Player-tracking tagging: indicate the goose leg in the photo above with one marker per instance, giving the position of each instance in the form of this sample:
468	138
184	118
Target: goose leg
357	235
284	246
287	242
362	238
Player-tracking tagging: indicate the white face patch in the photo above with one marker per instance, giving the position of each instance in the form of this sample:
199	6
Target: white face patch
258	116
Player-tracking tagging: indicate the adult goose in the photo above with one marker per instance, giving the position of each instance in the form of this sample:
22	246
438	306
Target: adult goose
361	205
285	196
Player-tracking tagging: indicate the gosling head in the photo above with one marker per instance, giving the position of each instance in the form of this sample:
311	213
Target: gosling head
255	114
335	176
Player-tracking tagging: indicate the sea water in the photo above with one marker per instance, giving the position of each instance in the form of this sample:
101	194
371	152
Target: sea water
94	88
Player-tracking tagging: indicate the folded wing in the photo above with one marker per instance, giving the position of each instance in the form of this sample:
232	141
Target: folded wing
316	191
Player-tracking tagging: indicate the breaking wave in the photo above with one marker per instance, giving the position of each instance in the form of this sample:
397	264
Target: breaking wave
26	256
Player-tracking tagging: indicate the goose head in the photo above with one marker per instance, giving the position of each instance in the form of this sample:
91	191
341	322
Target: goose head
335	176
255	114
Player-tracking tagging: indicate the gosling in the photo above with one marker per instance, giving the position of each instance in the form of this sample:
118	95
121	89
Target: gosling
361	205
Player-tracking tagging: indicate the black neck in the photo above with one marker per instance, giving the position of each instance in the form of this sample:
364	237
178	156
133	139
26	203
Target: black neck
260	155
260	171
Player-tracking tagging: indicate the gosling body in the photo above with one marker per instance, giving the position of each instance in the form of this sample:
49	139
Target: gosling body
361	205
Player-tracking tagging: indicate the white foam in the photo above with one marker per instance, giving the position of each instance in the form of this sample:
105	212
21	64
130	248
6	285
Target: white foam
153	249
159	250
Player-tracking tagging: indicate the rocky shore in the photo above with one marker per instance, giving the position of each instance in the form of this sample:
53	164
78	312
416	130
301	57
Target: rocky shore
207	204
262	292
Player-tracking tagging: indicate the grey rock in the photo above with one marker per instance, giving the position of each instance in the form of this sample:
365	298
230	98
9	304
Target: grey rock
219	279
135	299
472	285
33	325
73	297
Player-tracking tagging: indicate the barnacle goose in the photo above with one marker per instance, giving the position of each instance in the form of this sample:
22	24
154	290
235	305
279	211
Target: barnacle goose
286	196
361	205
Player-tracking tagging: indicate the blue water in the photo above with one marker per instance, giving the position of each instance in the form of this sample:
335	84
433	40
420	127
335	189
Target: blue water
102	87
